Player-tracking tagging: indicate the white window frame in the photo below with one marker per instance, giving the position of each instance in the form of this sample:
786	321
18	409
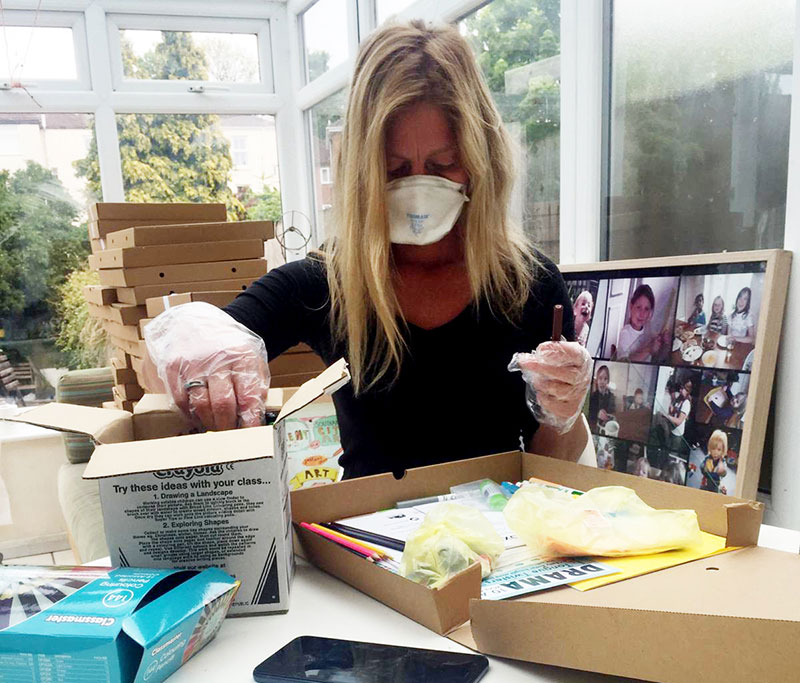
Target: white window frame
46	19
312	93
260	28
582	106
345	66
325	175
784	507
582	41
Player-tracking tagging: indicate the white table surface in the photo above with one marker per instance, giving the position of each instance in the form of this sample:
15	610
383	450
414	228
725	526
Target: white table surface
325	606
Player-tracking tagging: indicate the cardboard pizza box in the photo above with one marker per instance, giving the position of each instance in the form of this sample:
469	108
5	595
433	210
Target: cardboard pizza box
296	363
130	391
149	235
128	332
138	295
132	348
181	211
168	254
183	273
121	314
100	295
99	230
160	304
122	374
738	604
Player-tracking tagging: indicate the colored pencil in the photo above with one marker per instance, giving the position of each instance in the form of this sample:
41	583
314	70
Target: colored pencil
378	551
368	536
325	533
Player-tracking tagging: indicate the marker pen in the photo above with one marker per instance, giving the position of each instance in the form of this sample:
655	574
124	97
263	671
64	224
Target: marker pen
429	499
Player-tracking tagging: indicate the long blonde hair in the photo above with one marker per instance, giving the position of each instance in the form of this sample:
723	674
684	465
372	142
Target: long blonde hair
397	66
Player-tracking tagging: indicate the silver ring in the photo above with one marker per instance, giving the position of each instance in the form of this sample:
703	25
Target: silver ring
195	383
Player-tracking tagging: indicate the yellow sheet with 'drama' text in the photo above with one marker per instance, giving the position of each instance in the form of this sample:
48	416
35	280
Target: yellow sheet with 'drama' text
636	565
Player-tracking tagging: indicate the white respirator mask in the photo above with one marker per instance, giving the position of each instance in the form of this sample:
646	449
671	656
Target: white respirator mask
423	208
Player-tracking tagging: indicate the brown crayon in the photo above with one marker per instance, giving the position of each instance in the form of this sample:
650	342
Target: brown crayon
558	320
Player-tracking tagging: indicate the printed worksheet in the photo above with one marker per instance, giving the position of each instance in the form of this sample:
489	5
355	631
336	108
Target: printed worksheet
396	524
512	579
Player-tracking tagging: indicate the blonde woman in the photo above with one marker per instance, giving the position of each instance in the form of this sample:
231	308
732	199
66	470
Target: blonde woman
426	287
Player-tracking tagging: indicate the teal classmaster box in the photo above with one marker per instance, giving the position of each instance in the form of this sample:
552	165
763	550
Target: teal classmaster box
100	625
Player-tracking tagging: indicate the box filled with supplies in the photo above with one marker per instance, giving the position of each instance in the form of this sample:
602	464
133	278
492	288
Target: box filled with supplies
216	499
736	597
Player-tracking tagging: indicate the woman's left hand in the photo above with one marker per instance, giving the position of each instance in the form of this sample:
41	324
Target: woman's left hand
559	374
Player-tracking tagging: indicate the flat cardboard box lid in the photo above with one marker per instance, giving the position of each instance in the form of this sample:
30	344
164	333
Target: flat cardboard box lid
102	424
730	609
327	382
191	450
152	404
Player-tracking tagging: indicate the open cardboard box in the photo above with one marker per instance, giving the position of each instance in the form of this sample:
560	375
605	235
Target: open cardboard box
123	625
197	500
733	616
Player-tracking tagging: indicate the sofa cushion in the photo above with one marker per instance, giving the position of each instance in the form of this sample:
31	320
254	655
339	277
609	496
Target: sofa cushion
80	503
86	388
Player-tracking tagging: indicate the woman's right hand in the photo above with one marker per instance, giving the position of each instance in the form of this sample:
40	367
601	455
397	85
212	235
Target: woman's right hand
213	367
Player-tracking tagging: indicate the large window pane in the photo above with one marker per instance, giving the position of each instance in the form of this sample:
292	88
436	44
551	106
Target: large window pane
699	125
198	158
325	122
518	48
387	8
184	55
43	239
324	36
27	53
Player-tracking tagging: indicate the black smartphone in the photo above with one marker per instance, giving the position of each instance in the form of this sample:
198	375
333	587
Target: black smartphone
309	658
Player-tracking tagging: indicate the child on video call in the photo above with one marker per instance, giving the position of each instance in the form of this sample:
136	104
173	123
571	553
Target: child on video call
582	310
670	423
718	322
726	403
741	321
698	315
636	341
637	402
605	455
713	467
602	402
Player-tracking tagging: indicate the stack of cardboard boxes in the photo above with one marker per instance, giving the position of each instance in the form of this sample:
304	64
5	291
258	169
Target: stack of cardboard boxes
153	251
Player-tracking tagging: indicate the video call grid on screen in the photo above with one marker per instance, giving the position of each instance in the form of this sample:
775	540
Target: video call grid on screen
673	349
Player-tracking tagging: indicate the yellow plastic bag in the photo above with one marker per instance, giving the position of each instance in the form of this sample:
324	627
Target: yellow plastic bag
609	521
451	538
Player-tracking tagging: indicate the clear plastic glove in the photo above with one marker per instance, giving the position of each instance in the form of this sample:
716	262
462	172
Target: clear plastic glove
214	368
557	376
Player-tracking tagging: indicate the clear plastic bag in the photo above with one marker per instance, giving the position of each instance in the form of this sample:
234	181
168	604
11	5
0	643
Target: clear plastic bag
213	367
449	540
608	521
557	376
